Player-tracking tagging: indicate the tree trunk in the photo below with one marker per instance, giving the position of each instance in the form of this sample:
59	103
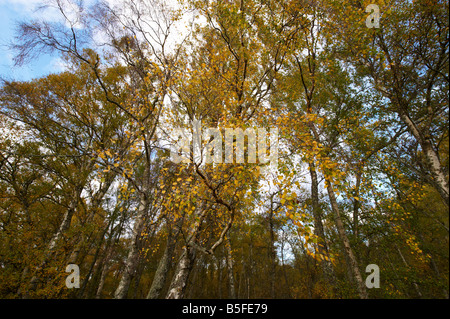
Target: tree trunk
103	274
272	253
112	241
327	267
309	277
230	269
356	204
97	200
180	279
432	158
351	259
219	276
288	286
133	254
184	267
416	286
63	227
164	264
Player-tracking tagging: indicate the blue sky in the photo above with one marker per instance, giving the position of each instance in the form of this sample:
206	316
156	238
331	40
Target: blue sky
12	11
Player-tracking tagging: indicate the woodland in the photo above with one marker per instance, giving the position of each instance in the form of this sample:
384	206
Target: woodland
362	171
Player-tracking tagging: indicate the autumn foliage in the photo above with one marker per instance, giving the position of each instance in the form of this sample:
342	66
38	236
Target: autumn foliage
86	176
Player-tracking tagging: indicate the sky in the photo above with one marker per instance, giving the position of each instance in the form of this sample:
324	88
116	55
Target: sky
11	12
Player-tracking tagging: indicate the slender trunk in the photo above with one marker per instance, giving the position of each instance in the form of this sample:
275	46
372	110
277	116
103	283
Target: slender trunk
219	276
398	279
416	286
207	274
356	205
97	201
199	275
351	259
22	280
95	264
209	282
248	287
113	240
63	227
133	254
250	267
241	276
178	286
284	269
436	171
272	254
164	264
326	265
103	274
432	158
137	280
184	267
230	269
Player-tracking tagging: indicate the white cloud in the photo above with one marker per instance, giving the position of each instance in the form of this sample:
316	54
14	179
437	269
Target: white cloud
40	9
21	5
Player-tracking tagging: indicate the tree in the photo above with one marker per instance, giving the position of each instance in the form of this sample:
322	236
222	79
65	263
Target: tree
94	170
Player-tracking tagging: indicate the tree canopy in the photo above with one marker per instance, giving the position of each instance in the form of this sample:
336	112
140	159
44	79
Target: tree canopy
355	116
